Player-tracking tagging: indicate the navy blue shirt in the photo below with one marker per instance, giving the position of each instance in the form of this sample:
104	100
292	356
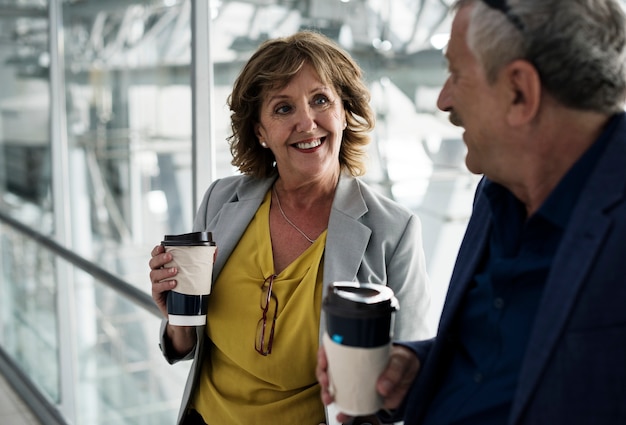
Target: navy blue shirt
493	325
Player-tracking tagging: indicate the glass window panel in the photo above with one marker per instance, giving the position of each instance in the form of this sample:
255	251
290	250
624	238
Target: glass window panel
28	313
129	127
122	375
25	162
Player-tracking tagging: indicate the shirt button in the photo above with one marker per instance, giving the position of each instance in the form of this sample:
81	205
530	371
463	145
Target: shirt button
498	303
478	377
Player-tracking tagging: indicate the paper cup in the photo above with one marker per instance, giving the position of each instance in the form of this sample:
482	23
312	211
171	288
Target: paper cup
193	255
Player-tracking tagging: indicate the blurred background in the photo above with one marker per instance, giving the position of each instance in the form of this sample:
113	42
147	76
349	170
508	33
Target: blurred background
113	122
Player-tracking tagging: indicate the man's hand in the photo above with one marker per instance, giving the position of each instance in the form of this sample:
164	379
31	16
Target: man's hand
393	384
396	380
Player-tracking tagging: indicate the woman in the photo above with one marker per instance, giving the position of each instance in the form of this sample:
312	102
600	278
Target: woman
296	220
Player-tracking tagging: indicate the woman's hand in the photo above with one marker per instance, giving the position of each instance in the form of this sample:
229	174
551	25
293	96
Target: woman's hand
161	278
181	338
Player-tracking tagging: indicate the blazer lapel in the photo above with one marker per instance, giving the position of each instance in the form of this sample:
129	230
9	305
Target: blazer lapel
471	252
347	237
234	217
588	227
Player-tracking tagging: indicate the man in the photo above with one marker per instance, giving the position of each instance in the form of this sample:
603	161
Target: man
534	326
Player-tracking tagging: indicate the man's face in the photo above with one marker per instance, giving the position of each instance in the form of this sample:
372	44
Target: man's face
472	102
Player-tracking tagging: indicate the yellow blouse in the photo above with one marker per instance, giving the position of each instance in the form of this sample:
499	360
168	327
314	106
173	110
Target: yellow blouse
237	385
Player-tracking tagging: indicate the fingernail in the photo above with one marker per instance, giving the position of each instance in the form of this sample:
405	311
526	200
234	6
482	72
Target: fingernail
385	385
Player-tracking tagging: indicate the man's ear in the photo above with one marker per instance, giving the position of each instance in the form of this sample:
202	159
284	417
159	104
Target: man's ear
524	84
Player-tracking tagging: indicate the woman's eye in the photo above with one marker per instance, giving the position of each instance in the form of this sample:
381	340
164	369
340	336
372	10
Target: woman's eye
282	109
321	100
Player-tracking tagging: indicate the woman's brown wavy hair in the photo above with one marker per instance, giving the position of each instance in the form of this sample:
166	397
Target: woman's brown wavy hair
271	67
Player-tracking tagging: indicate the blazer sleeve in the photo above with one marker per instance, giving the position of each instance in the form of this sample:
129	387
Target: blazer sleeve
406	271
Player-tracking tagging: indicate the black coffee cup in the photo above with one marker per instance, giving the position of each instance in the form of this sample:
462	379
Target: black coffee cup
357	340
193	255
360	314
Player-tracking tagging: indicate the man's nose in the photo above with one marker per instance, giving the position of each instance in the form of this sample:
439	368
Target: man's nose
443	101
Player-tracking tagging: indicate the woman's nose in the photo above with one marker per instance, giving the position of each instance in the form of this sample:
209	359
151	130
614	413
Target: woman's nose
305	120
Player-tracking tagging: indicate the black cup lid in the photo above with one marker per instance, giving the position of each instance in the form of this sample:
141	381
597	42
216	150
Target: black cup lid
360	300
189	239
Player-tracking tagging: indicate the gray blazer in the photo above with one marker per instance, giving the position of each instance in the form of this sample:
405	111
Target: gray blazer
370	239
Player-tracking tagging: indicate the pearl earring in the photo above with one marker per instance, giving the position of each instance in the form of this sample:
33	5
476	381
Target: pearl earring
345	125
264	144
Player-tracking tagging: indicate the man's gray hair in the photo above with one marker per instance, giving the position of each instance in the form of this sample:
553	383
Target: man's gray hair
577	46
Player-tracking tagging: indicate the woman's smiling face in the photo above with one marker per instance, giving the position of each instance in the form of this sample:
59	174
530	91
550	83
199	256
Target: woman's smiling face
302	123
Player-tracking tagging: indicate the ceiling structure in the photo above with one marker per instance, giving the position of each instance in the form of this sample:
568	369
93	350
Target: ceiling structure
390	39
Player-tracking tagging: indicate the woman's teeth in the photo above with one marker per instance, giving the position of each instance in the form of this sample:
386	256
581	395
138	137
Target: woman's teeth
309	145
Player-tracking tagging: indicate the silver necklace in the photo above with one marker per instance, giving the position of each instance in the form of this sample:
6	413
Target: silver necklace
289	221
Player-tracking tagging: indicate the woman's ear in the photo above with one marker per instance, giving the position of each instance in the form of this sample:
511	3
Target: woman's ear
257	132
524	84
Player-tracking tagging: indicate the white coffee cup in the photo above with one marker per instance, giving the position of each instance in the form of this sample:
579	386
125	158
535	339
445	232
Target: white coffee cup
357	341
193	255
